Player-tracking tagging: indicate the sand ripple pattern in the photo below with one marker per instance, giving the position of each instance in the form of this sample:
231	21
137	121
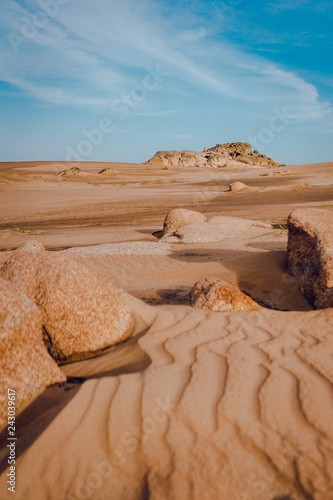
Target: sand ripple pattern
232	407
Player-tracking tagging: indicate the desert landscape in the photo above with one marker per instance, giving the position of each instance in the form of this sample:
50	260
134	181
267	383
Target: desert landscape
167	327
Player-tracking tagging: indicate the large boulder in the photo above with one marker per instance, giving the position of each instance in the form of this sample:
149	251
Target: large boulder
215	229
82	313
26	366
235	187
217	295
22	266
179	217
310	254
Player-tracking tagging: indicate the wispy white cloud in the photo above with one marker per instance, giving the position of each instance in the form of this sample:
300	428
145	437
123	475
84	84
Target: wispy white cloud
91	53
194	35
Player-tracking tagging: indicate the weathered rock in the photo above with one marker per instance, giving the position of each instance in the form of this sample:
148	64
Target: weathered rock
22	267
234	148
310	254
82	313
25	365
215	229
217	160
217	295
235	154
235	187
257	160
179	217
166	158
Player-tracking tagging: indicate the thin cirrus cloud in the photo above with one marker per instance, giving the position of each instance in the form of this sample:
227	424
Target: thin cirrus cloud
100	50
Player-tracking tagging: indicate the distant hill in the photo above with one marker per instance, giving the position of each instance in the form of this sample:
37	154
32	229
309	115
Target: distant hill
232	154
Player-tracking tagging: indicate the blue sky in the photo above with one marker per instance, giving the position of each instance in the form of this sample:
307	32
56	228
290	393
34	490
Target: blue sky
117	80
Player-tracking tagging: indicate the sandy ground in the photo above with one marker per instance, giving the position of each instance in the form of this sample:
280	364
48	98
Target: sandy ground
196	404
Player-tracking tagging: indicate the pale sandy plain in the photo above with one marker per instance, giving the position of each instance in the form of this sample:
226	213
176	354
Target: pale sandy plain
196	404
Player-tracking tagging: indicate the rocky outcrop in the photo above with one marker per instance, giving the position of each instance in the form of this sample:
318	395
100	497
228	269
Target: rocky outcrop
310	254
232	148
216	295
234	154
215	229
26	366
82	313
179	217
257	159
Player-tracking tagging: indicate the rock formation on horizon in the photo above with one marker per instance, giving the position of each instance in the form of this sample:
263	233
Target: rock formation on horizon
233	154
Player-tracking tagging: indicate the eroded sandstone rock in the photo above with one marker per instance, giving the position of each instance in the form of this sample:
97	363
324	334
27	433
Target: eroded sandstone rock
25	365
82	313
216	228
235	187
310	254
179	217
216	295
